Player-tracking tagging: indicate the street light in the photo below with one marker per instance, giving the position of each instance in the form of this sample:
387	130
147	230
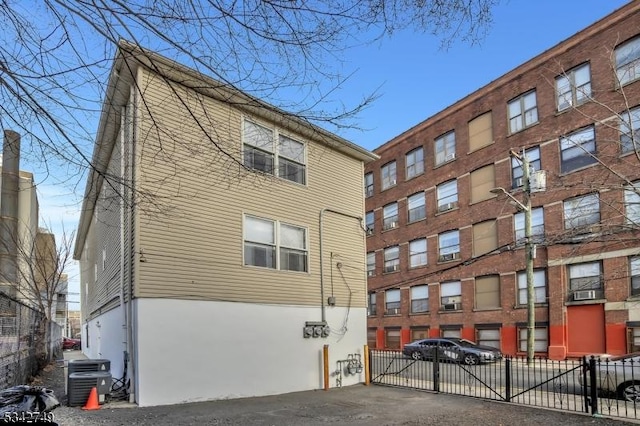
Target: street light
525	206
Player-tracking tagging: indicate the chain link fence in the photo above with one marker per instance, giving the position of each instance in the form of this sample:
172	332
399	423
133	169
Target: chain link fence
28	342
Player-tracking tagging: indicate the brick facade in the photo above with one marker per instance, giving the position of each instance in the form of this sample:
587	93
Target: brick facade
610	243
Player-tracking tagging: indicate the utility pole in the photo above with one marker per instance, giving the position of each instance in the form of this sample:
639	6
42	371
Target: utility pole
528	249
529	246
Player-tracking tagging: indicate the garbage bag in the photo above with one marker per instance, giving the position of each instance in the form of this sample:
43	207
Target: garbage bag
24	398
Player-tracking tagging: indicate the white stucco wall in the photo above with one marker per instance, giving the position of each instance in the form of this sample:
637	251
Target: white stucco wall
106	340
200	350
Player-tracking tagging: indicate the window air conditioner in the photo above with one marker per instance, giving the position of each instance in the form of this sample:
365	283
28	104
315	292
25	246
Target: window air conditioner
584	295
393	311
447	206
370	273
451	306
393	225
519	181
449	256
393	268
450	156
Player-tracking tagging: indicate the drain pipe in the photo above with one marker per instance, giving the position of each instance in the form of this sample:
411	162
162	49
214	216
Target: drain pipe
322	212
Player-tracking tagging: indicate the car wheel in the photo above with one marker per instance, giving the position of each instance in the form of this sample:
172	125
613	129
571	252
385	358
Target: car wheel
416	355
630	391
76	347
471	359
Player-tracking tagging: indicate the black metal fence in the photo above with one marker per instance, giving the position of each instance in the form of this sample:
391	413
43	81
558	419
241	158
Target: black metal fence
564	385
27	342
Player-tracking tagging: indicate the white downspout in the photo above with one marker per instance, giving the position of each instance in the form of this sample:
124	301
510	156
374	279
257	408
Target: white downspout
123	203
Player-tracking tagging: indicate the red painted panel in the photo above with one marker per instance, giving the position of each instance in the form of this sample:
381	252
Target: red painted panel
468	333
380	339
585	329
616	339
434	332
557	342
509	339
405	337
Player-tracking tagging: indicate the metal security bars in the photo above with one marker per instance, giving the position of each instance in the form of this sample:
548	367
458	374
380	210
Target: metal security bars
563	385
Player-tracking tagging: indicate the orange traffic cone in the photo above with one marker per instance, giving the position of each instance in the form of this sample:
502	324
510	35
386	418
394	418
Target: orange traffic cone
92	401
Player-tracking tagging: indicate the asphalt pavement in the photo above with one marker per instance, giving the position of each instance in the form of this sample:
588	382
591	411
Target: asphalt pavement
353	405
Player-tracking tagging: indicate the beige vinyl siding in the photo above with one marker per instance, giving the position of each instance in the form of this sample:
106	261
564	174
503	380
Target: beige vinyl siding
191	229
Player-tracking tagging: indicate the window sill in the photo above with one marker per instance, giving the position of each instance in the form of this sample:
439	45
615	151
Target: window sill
413	268
585	302
487	309
537	305
457	311
407	179
387	188
417	314
391	315
390	229
390	272
438	213
523	129
417	221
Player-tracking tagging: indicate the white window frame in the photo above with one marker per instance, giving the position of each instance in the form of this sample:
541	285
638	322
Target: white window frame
533	155
418	253
632	204
414	163
416	204
539	286
582	211
537	225
444	148
368	185
447	194
274	151
488	337
634	275
630	130
451	248
451	290
419	299
390	218
371	264
573	88
627	56
585	276
577	150
391	259
369	222
392	301
522	112
389	175
277	244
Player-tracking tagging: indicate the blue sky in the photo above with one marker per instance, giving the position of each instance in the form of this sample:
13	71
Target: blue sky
414	77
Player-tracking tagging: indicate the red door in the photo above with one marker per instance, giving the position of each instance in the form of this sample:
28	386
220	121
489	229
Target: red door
585	329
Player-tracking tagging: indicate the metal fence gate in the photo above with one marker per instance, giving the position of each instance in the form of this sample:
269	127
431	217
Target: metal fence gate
543	382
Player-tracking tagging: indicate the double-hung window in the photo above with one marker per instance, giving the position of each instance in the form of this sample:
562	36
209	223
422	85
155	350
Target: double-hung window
630	130
371	263
388	173
275	245
419	299
416	207
286	159
451	296
370	222
533	155
632	204
445	148
578	149
537	225
392	302
372	303
391	259
368	185
414	163
585	280
390	216
539	287
418	252
523	112
628	61
540	339
447	194
581	212
449	245
573	88
634	273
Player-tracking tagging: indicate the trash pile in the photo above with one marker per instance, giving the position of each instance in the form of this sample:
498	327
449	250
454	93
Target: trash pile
27	405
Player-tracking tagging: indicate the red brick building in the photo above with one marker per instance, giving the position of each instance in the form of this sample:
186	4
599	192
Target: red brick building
445	253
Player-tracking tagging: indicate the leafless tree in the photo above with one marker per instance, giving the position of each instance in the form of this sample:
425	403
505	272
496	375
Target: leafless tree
55	56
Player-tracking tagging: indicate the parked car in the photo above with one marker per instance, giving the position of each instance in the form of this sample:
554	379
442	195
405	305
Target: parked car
619	375
68	343
452	349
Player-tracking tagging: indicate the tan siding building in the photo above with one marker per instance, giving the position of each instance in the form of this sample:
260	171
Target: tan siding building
234	226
